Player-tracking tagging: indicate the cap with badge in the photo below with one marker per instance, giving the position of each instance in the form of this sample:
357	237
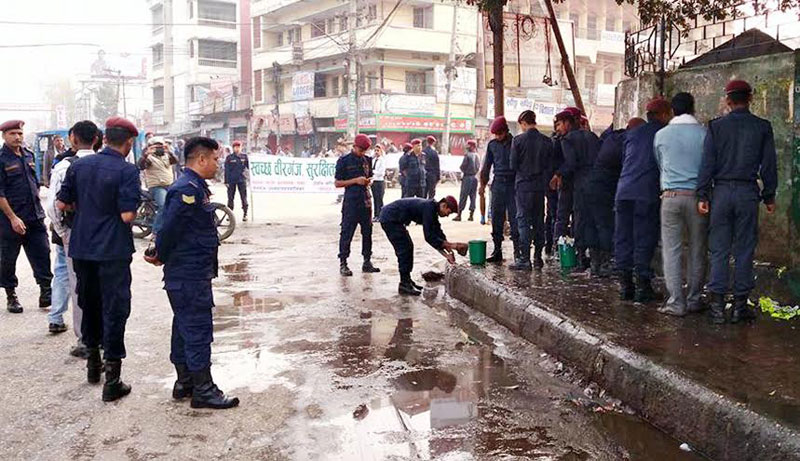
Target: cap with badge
362	141
416	142
12	125
119	122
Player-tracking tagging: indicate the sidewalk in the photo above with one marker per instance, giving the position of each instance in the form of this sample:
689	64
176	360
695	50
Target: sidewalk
730	391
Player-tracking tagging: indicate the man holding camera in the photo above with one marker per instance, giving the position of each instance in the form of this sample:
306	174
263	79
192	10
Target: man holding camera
157	164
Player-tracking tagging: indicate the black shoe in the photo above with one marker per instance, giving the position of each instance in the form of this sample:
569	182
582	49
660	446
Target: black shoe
538	263
496	257
521	265
548	251
206	394
13	302
457	218
741	311
45	296
627	289
56	328
114	388
344	270
407	288
183	385
645	293
244	217
471	216
368	268
94	365
717	308
415	285
80	351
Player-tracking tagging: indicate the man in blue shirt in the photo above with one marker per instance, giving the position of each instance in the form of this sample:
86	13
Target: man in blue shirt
237	170
637	206
432	171
187	245
412	168
739	149
503	204
104	191
678	148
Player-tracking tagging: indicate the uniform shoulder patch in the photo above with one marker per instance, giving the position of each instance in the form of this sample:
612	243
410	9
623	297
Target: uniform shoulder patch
188	199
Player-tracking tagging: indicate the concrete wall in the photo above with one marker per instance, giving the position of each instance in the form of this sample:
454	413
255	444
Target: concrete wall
773	78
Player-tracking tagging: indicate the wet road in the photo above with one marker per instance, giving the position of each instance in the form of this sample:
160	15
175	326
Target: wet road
326	367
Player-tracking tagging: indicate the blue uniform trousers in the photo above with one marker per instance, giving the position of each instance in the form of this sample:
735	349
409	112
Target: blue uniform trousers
37	249
403	247
733	231
353	216
430	186
600	211
636	236
503	202
530	221
242	186
550	219
192	323
564	211
469	187
104	295
413	190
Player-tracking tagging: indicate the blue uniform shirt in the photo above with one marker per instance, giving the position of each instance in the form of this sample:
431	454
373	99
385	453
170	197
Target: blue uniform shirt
188	241
419	210
352	166
18	185
413	170
639	177
498	155
432	169
532	159
235	166
609	157
580	152
101	187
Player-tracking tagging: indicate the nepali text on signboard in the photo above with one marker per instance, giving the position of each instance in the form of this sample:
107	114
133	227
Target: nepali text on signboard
270	173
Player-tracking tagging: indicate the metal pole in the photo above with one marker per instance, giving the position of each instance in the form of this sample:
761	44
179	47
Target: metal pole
480	95
496	24
124	98
450	71
576	91
276	68
352	94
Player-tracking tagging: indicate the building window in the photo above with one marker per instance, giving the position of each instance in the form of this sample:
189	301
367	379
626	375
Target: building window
415	83
257	32
318	29
258	86
158	18
588	79
216	53
335	86
158	98
608	77
611	24
423	18
331	26
293	36
372	13
280	38
372	81
342	23
319	86
190	8
158	55
591	27
218	14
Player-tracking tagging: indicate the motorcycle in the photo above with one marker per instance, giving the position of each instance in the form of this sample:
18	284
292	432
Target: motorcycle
142	226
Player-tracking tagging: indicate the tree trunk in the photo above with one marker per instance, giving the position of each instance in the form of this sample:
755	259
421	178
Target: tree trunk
496	24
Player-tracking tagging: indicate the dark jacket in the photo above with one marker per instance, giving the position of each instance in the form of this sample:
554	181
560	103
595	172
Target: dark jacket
432	170
498	156
470	164
580	151
352	166
235	166
532	160
639	179
413	170
19	185
419	210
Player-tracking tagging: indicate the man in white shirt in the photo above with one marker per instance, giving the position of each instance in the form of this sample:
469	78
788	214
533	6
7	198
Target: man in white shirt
378	176
82	137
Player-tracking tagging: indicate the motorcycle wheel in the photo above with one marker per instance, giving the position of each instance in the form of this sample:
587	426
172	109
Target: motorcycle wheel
224	220
143	224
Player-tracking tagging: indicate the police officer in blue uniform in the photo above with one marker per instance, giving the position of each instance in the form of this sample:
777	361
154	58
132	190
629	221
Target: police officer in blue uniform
237	168
187	245
531	159
739	149
399	214
432	170
104	192
470	167
402	164
412	167
551	213
503	204
22	218
637	227
353	173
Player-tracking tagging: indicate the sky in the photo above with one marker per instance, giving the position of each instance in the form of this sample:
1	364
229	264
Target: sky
119	27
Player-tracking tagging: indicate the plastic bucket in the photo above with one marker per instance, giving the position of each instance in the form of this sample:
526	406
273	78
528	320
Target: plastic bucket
567	255
477	252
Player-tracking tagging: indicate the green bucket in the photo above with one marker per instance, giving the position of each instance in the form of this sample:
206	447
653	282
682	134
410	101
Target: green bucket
567	255
477	252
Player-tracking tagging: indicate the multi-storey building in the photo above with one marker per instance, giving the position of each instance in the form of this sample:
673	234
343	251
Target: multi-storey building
197	66
300	70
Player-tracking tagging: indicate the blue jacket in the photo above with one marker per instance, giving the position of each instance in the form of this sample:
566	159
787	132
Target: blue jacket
739	147
498	155
352	166
431	163
532	160
639	177
609	157
18	185
188	241
413	170
580	151
419	210
235	166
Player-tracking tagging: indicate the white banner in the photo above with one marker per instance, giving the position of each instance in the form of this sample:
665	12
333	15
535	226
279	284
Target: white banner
271	173
463	89
302	85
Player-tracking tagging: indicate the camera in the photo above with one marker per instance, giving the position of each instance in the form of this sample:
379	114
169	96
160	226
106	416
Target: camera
159	151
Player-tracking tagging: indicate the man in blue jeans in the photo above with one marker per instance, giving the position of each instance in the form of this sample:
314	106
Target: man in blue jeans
157	162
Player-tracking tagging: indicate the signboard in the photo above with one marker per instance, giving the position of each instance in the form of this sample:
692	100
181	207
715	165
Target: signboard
304	126
270	173
513	107
408	104
287	124
411	123
464	86
302	85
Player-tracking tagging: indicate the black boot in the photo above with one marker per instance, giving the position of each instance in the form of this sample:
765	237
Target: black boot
244	216
206	394
114	388
471	216
94	366
497	254
45	296
626	288
415	284
344	270
741	311
368	268
408	287
538	262
522	261
717	308
644	292
457	218
183	385
13	302
584	262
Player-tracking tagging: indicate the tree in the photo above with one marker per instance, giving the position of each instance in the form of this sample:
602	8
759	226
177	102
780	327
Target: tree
107	101
61	93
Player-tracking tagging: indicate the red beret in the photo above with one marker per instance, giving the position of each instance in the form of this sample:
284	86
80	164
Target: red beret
472	142
576	113
658	104
12	125
416	141
451	203
431	139
362	141
566	114
499	125
237	143
407	146
119	122
738	86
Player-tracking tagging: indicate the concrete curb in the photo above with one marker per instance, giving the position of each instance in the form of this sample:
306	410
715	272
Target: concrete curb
710	422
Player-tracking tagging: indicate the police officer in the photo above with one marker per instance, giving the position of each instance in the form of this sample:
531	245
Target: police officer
637	206
531	159
402	165
237	172
413	169
551	213
22	218
432	171
353	173
739	149
104	192
399	214
470	166
188	245
503	202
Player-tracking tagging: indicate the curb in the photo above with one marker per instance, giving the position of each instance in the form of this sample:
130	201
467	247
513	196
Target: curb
711	423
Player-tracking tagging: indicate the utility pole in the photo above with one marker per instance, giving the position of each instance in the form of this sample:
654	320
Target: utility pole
450	70
124	98
496	24
576	91
276	73
352	93
480	89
